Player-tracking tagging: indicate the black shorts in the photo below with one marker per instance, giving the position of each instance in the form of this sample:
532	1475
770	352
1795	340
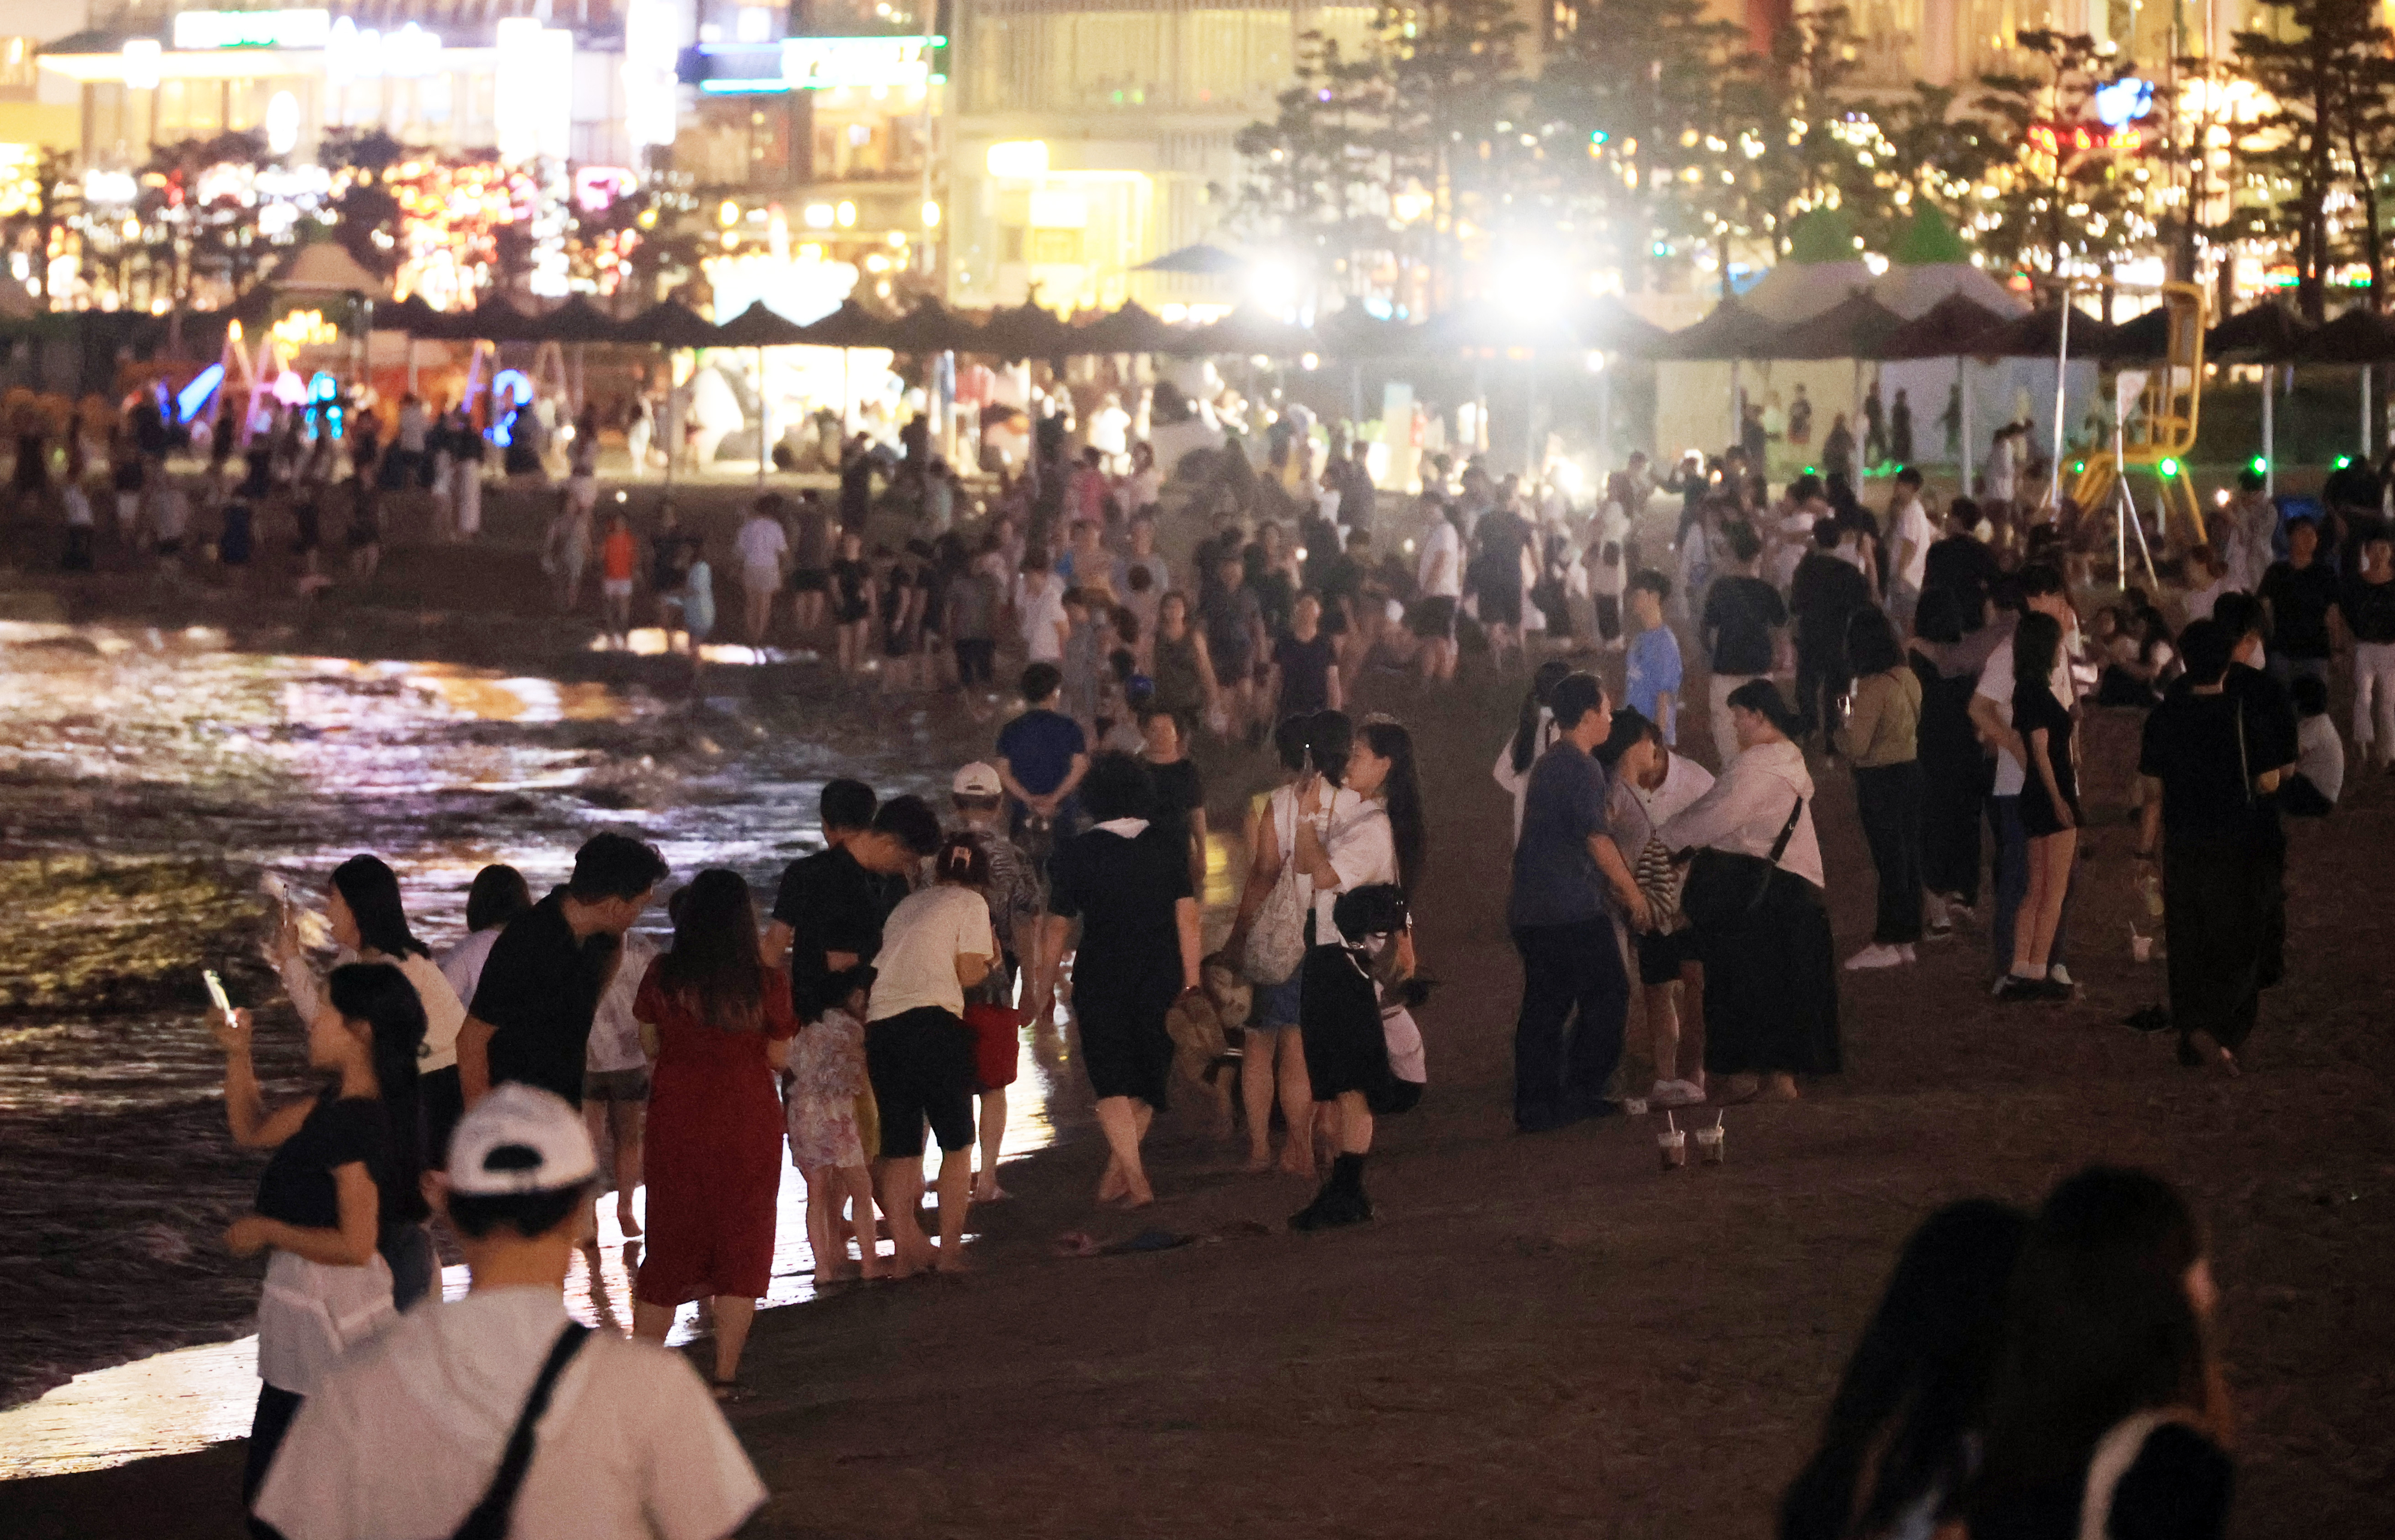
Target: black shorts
921	1065
1660	956
1347	1048
808	580
1432	619
1500	604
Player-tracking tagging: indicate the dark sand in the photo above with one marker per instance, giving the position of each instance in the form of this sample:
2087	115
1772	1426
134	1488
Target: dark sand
1546	1332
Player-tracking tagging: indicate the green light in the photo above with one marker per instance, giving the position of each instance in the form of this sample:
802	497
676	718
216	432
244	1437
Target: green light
2259	464
1598	136
2168	467
2342	461
1812	470
2078	468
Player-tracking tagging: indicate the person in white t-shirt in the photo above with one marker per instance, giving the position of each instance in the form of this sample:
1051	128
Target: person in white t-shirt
762	544
1439	576
1907	540
405	1436
1992	713
936	944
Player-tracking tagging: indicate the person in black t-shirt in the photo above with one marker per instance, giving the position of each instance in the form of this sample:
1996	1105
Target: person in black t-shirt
2298	593
1743	618
1180	792
530	1016
1825	593
345	1160
1961	566
829	906
1306	665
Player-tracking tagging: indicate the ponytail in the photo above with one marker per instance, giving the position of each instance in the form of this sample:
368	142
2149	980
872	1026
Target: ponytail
963	861
1526	732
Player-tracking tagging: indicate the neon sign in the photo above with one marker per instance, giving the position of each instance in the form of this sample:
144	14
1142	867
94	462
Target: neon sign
813	64
265	29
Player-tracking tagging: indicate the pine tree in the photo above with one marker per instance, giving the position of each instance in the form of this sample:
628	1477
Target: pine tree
2324	67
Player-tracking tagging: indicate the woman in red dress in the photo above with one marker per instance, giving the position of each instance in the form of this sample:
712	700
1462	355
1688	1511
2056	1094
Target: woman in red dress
718	1023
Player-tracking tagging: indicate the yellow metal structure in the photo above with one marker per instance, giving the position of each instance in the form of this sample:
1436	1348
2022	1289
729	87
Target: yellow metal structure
2163	428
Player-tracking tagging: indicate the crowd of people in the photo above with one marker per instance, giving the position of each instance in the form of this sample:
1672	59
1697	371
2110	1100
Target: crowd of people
881	998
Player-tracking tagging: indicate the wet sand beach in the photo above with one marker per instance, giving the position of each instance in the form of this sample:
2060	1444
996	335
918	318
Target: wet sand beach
1536	1331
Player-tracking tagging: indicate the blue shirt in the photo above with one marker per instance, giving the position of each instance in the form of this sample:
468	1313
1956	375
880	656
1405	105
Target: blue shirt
1653	670
1555	878
1038	746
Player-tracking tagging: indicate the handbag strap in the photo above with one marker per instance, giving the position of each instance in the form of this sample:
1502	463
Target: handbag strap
492	1516
1787	831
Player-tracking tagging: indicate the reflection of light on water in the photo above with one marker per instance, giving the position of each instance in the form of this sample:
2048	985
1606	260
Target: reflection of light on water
172	1404
650	642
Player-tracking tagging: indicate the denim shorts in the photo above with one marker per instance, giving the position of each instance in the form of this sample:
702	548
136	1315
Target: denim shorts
1276	1005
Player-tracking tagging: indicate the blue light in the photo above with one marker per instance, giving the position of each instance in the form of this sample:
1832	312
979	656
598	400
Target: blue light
323	387
2123	101
195	395
510	387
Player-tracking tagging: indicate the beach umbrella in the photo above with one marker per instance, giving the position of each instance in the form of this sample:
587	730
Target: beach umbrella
1730	333
761	326
416	318
494	320
2359	336
671	325
2265	333
578	320
1252	332
2041	334
852	325
1132	330
1948	329
1199	260
1856	327
930	327
1026	331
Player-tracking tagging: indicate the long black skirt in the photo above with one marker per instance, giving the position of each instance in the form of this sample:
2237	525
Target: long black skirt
2221	920
1771	986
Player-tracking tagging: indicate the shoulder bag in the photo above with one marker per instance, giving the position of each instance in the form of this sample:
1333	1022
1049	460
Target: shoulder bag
1277	939
492	1518
1725	888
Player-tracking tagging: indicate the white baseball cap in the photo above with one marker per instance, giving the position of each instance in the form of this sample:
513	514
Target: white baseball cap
519	1139
977	781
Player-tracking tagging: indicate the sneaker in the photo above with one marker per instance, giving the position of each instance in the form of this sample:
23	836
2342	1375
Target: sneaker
1675	1092
2059	975
1875	956
2057	989
2011	989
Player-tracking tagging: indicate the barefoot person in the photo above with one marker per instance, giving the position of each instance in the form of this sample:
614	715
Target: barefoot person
344	1160
1016	905
936	944
1274	1056
408	1438
718	1024
1129	885
820	1099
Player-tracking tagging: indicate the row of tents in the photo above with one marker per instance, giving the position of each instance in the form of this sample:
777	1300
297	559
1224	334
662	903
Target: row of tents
1859	327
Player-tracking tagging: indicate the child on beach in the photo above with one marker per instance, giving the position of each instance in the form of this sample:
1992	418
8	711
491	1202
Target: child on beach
821	1098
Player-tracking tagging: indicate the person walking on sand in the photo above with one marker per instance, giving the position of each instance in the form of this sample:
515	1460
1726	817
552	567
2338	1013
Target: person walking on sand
615	1091
1129	886
718	1023
497	895
1650	785
413	1437
827	1084
619	560
936	944
1016	905
1771	984
344	1160
1567	876
2049	806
